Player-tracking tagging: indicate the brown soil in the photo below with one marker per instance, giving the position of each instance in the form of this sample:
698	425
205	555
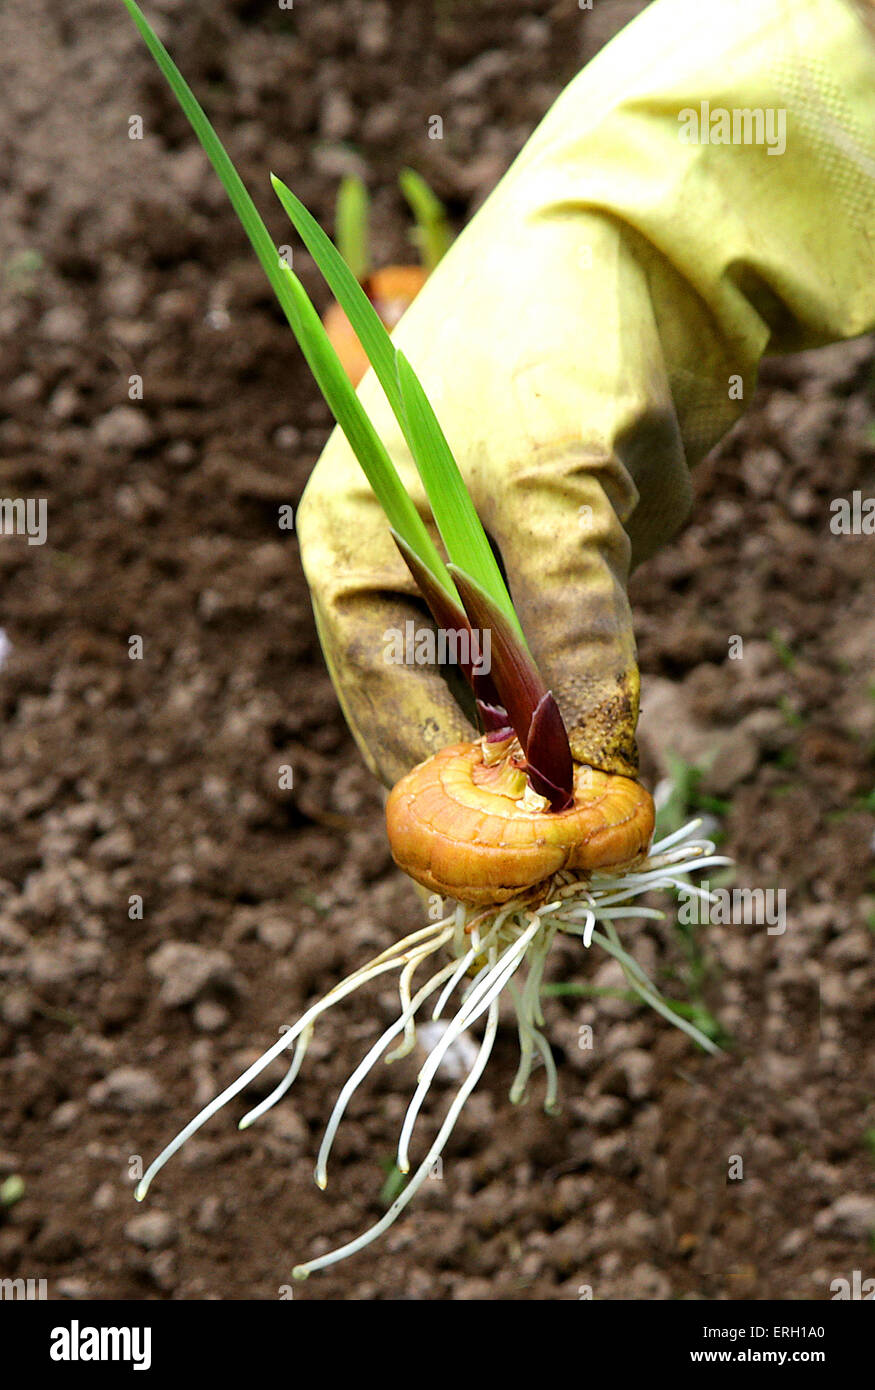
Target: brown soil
158	777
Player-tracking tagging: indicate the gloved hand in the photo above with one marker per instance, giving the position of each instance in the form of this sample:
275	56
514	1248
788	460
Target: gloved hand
594	331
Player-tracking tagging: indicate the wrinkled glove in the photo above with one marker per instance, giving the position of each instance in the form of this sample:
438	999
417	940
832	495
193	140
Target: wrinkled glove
594	331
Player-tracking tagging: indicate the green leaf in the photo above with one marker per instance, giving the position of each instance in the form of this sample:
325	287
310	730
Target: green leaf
305	323
356	425
351	226
460	526
346	290
395	1181
433	233
454	513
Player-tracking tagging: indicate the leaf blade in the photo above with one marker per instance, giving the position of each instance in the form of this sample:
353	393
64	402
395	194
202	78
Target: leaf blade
351	226
303	320
433	232
457	520
346	289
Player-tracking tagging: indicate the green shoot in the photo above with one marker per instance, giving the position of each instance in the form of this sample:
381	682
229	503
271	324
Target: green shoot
11	1190
467	545
792	717
453	510
346	290
786	656
20	273
304	322
686	798
394	1184
432	234
460	527
351	226
703	1019
457	521
356	425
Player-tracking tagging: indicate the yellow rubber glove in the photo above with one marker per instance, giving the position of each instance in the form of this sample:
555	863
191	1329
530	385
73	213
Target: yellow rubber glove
595	330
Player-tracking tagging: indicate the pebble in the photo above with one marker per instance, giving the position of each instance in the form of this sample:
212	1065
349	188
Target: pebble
16	1008
622	1036
315	954
287	437
636	1068
210	1016
124	291
373	29
609	976
612	1152
63	324
647	1283
276	933
837	991
152	1230
603	1112
186	971
77	1289
65	402
667	725
26	388
736	758
793	1242
181	453
337	118
46	967
852	947
287	1127
115	848
124	427
852	1215
105	1196
129	1089
471	80
336	162
65	1115
209	1216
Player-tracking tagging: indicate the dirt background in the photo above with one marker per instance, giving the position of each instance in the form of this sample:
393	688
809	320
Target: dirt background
159	777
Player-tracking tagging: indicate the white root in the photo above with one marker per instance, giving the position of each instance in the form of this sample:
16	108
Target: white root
516	934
